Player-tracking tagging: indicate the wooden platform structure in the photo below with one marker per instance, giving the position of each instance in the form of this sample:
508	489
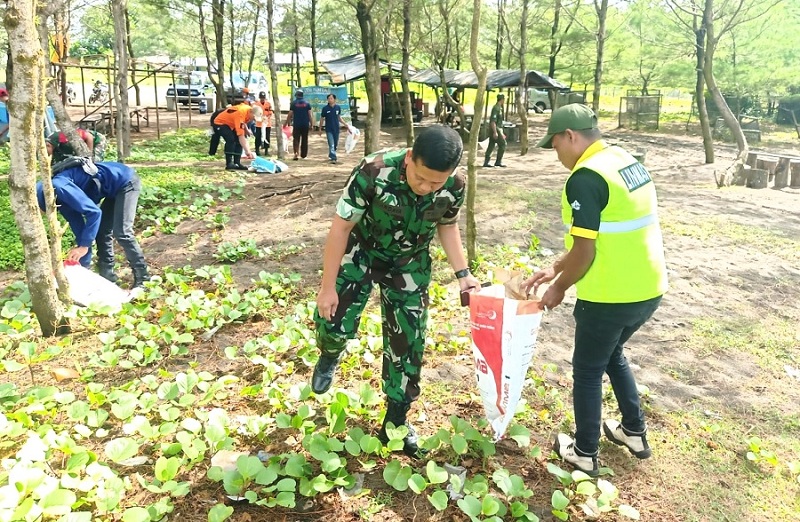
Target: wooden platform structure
103	121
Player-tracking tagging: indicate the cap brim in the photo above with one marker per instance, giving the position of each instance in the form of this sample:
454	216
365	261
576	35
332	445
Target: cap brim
546	142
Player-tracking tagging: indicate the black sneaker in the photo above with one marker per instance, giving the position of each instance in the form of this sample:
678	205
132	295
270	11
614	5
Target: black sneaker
488	165
635	442
500	165
323	373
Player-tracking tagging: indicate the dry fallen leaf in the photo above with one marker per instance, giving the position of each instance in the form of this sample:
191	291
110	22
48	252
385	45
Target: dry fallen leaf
63	374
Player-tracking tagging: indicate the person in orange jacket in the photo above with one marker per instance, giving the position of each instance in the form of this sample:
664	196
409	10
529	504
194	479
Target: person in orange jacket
232	125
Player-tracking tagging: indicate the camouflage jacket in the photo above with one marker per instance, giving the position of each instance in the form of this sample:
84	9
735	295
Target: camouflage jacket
392	223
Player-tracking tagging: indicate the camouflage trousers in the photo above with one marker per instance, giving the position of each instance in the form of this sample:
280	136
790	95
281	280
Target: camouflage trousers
404	310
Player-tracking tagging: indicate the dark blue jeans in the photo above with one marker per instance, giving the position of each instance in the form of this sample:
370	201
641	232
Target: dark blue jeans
333	142
118	213
601	330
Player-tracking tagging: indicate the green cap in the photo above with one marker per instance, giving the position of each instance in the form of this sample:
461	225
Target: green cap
574	116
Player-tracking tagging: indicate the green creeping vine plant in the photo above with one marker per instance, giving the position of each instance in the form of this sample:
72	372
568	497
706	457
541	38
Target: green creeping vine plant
592	499
79	454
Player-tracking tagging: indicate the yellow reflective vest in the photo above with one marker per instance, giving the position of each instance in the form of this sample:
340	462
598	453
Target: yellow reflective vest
629	261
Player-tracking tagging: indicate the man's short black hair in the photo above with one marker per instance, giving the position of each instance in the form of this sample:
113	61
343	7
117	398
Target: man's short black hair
331	94
439	147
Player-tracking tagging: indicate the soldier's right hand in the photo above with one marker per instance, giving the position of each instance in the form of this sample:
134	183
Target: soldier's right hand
327	302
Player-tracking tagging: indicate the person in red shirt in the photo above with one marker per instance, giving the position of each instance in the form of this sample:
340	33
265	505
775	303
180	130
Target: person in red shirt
264	124
232	124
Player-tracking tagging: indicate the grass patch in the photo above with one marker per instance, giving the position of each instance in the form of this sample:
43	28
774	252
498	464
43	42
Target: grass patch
706	457
182	145
772	342
754	237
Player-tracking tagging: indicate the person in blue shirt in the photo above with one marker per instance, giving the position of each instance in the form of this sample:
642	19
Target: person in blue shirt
101	208
300	119
332	115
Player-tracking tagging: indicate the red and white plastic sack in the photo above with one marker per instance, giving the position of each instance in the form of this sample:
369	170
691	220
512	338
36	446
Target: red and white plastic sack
503	341
287	137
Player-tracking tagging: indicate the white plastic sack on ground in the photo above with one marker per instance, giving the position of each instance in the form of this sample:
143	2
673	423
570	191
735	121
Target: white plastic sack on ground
503	340
352	139
281	166
89	289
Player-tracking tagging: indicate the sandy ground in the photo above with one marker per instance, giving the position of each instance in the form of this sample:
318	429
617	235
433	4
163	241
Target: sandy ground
711	274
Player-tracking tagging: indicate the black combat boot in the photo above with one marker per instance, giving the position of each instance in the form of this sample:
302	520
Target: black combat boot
107	272
396	414
324	371
237	161
140	277
230	164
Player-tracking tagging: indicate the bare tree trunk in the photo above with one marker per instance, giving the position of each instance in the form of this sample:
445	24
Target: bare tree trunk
66	126
252	56
472	148
218	21
737	167
407	116
369	45
273	75
522	97
699	91
314	40
232	41
132	57
120	7
51	91
555	47
296	40
602	12
26	111
61	49
498	50
216	77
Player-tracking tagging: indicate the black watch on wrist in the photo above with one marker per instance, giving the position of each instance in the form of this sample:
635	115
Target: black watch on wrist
462	273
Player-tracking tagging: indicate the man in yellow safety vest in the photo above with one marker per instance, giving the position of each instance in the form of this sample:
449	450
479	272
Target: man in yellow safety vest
615	259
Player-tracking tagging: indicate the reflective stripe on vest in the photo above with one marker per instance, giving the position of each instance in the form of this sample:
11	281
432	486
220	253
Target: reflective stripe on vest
615	227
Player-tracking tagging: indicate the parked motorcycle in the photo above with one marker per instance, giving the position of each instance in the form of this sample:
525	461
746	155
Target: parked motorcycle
99	93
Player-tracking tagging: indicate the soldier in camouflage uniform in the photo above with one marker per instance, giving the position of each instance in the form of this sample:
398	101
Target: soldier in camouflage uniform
496	134
390	209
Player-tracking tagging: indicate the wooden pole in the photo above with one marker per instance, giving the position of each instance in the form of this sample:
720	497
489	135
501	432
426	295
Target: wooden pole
110	97
83	92
155	88
177	107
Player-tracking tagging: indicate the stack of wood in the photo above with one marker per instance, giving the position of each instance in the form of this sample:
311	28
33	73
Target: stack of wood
762	168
